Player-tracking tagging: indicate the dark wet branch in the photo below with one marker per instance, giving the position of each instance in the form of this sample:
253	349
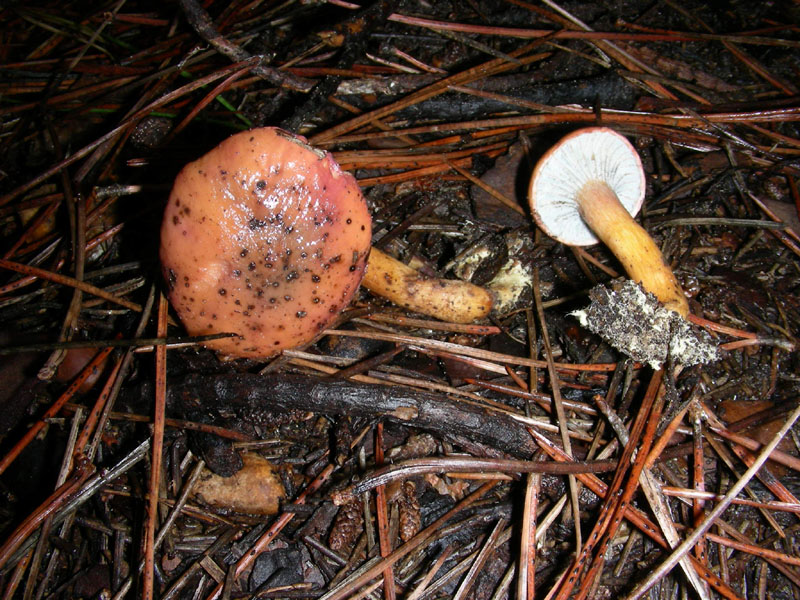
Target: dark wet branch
251	395
201	22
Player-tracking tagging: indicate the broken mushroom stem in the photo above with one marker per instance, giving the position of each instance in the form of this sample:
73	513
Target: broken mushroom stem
631	244
450	300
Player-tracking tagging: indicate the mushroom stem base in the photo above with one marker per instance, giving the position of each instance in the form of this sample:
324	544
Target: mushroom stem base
631	244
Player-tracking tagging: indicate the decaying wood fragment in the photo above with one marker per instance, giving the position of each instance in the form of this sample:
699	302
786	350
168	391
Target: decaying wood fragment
254	397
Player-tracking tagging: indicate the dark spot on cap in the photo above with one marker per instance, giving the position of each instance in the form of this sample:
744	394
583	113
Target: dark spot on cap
222	291
292	275
251	266
256	223
261	184
244	252
301	314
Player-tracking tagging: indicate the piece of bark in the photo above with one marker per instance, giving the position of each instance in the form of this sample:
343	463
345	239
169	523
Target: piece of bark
253	397
607	90
255	489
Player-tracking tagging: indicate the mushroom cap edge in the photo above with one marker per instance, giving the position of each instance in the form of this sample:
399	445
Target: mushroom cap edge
588	154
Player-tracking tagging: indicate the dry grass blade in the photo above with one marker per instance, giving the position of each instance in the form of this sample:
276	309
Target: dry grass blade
619	493
54	409
157	454
69	281
639	519
526	580
559	408
382	514
651	488
480	561
345	588
495	66
717	511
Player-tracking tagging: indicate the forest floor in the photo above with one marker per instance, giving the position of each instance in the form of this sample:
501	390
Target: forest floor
401	455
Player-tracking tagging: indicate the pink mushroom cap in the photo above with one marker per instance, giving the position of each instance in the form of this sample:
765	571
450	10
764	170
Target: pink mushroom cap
264	237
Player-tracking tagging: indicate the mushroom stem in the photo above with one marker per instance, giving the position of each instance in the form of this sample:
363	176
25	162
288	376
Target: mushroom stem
449	300
631	244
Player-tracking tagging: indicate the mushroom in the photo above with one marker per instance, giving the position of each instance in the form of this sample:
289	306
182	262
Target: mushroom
266	237
589	186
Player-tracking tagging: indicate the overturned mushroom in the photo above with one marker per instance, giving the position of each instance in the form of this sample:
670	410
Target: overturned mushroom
268	238
588	186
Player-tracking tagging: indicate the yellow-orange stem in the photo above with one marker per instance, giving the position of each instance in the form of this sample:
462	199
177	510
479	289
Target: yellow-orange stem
631	244
449	300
